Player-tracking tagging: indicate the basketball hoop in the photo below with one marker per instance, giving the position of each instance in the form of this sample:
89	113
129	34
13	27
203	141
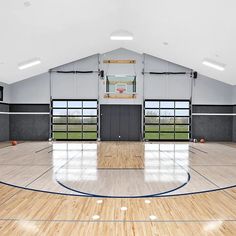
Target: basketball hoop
120	90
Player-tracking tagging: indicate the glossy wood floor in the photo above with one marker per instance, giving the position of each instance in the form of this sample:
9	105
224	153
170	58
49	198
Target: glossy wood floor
26	212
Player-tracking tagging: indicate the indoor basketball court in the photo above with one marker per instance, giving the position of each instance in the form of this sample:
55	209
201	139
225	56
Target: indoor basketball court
117	118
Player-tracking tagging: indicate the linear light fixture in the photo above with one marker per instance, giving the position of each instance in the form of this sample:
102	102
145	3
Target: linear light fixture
29	63
213	64
121	35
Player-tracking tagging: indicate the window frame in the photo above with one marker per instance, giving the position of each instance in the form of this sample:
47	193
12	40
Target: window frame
1	93
158	132
81	123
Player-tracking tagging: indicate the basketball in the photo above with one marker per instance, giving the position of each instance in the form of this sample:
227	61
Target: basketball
202	140
14	143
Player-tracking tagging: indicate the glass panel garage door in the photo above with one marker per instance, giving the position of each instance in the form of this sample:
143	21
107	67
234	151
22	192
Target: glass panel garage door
167	120
74	119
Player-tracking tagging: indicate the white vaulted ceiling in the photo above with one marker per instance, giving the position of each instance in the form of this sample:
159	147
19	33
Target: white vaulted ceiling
60	31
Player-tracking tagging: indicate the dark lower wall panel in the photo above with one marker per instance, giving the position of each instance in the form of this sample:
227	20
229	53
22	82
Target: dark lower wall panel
29	107
29	127
4	122
4	127
234	125
212	109
213	128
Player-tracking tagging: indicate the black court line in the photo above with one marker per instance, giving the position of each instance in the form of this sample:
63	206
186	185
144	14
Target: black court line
43	149
192	152
198	149
39	176
212	183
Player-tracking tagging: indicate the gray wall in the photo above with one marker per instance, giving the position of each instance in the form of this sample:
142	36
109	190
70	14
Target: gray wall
234	124
212	92
4	122
165	86
27	122
206	91
76	86
33	90
210	126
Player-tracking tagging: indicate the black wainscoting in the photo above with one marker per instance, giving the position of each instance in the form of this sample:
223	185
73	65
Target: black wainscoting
4	122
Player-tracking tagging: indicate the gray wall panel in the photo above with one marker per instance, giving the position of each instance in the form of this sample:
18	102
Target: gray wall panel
29	127
234	125
213	128
212	109
29	107
4	122
4	127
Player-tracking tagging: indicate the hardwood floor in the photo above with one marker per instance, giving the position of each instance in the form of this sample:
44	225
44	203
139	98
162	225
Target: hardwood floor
26	212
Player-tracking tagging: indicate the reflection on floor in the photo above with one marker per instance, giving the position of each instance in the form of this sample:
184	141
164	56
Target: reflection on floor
119	169
96	168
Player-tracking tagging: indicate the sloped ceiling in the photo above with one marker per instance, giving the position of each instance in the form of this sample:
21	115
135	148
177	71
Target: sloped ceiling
60	31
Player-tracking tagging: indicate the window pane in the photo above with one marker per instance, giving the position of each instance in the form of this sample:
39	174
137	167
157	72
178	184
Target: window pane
182	128
90	128
182	120
59	112
152	112
167	120
182	112
90	135
151	120
59	104
76	135
59	127
166	135
89	104
74	104
150	104
89	119
74	112
59	135
74	119
151	128
59	119
150	136
74	127
166	104
89	112
182	136
167	112
167	128
181	104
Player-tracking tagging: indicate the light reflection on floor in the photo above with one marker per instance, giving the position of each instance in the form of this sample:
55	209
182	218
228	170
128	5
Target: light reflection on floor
119	168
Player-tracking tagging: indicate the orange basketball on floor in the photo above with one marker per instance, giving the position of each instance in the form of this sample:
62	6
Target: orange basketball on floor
202	140
14	143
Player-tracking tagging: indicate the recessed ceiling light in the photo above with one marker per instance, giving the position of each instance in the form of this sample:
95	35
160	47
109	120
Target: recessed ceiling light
165	43
27	3
95	217
152	217
99	201
121	35
29	63
124	208
214	64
